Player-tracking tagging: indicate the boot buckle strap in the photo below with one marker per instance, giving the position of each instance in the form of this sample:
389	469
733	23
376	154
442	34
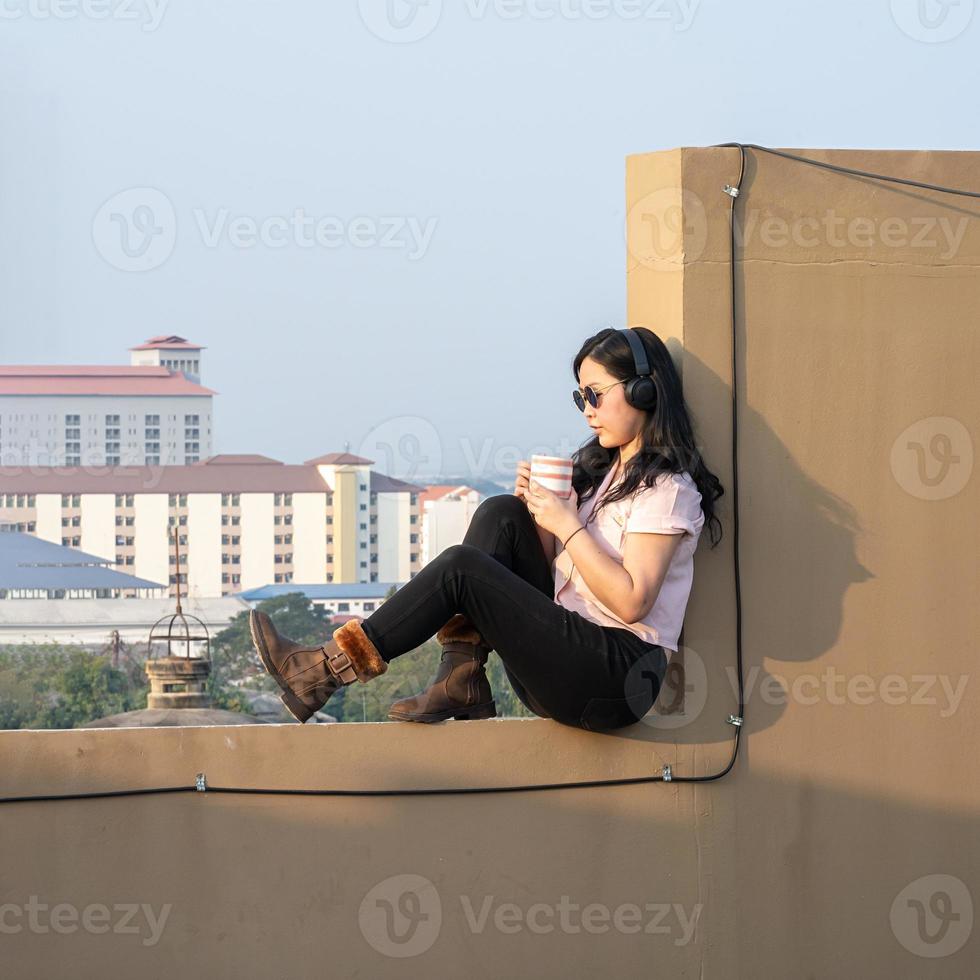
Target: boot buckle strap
341	666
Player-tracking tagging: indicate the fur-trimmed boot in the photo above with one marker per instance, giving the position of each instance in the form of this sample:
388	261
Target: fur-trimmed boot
308	676
461	688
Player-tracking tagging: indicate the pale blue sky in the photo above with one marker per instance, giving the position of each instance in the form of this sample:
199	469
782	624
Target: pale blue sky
488	154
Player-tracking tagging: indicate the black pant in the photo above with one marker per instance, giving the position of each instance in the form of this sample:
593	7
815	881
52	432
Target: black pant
561	665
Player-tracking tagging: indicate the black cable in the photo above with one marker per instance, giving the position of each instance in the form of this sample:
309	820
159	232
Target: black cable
734	192
850	170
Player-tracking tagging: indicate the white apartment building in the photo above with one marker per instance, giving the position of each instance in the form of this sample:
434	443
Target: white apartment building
241	521
446	514
152	412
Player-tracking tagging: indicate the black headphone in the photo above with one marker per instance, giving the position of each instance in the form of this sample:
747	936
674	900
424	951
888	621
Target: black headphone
640	391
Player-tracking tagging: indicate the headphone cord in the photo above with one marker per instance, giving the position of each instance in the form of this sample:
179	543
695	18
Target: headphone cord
734	191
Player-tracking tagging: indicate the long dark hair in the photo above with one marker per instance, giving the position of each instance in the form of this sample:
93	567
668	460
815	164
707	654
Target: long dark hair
668	442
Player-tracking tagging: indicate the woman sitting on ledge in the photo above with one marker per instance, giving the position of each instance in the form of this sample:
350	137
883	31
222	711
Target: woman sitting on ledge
583	599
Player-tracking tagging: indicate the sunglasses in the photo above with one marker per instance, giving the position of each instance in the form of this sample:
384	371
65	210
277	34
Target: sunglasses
590	393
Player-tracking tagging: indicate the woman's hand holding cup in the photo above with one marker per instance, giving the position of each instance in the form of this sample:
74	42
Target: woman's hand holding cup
522	483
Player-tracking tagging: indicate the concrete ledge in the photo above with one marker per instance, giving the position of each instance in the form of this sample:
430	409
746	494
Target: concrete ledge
297	886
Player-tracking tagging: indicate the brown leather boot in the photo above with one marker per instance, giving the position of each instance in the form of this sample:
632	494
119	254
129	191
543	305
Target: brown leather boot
461	688
308	676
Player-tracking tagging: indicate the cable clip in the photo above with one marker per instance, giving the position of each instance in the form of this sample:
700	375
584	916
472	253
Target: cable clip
731	191
202	783
735	720
667	774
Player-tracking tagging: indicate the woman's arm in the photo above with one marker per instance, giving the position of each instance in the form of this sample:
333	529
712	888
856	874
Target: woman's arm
629	589
549	542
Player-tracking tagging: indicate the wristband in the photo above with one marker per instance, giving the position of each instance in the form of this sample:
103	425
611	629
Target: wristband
581	527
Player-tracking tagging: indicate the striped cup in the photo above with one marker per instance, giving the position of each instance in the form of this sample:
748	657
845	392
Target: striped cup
553	473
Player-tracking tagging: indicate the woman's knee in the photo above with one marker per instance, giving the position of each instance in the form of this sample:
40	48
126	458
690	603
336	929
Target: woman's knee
500	503
463	555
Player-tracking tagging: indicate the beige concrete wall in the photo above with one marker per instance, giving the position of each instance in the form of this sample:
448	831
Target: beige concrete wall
857	361
309	538
151	537
98	525
853	805
204	549
257	540
48	524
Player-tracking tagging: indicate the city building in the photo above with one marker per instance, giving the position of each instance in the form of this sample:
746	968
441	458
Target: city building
446	514
341	601
242	521
152	412
31	568
100	622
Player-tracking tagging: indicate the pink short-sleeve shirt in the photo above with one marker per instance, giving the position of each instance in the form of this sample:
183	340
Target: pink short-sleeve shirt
672	506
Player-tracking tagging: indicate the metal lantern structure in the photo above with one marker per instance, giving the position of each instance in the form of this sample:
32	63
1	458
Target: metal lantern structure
179	678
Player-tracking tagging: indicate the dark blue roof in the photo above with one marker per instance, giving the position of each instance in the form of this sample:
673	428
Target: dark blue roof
331	590
27	562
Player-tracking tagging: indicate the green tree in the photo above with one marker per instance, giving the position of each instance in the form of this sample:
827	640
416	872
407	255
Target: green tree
235	664
51	686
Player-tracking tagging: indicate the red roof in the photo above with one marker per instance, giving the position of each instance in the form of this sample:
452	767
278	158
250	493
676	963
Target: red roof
168	342
239	459
192	478
439	491
87	379
340	459
218	474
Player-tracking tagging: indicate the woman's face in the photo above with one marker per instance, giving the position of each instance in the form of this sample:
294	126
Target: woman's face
615	422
